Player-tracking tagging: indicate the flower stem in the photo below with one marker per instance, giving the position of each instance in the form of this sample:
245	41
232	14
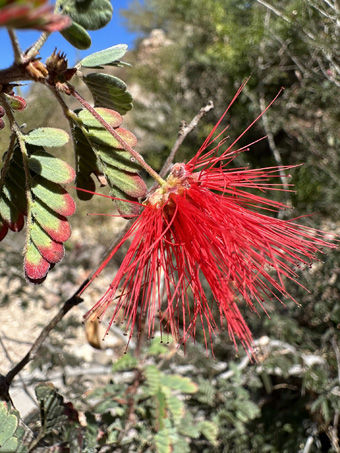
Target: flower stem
113	132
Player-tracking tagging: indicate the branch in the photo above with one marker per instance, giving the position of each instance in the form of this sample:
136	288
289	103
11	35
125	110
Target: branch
114	134
183	132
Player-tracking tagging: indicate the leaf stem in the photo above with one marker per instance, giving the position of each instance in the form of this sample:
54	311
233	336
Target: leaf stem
112	131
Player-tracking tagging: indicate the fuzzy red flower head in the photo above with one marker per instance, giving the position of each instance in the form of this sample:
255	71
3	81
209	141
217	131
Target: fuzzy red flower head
202	227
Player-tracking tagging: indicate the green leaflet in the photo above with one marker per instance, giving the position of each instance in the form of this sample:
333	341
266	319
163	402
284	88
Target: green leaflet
47	136
129	183
8	426
90	14
36	267
77	36
112	117
53	195
55	225
50	250
50	167
104	57
117	158
103	137
109	91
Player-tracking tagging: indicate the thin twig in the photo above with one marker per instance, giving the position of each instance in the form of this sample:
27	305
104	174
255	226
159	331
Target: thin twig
5	381
15	45
183	132
20	377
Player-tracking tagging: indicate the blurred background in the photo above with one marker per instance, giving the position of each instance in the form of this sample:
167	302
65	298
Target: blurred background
184	54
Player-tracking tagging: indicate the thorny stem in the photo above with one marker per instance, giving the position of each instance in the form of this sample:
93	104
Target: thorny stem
112	131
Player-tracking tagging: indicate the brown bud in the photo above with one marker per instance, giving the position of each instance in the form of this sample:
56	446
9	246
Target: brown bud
37	70
2	124
2	111
56	63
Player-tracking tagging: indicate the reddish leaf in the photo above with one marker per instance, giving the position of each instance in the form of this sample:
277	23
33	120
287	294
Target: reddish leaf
51	250
36	267
3	229
26	16
55	225
54	196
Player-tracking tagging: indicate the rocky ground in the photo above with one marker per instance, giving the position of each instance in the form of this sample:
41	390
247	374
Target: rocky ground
25	309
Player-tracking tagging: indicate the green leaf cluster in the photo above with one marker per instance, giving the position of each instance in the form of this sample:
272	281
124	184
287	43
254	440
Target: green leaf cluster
100	154
85	15
38	194
11	434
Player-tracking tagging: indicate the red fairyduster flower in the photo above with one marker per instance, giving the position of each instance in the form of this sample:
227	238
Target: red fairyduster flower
202	225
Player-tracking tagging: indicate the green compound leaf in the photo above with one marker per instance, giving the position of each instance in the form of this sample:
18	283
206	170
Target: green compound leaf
104	57
47	136
52	408
49	249
36	267
50	167
125	363
90	14
109	91
53	195
209	431
8	426
77	36
55	225
130	183
153	379
163	442
112	117
177	382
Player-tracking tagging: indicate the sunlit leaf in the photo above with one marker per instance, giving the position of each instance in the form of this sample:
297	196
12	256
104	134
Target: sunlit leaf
50	167
47	136
105	56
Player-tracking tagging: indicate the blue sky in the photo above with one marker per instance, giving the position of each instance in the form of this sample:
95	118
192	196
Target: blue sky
113	33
